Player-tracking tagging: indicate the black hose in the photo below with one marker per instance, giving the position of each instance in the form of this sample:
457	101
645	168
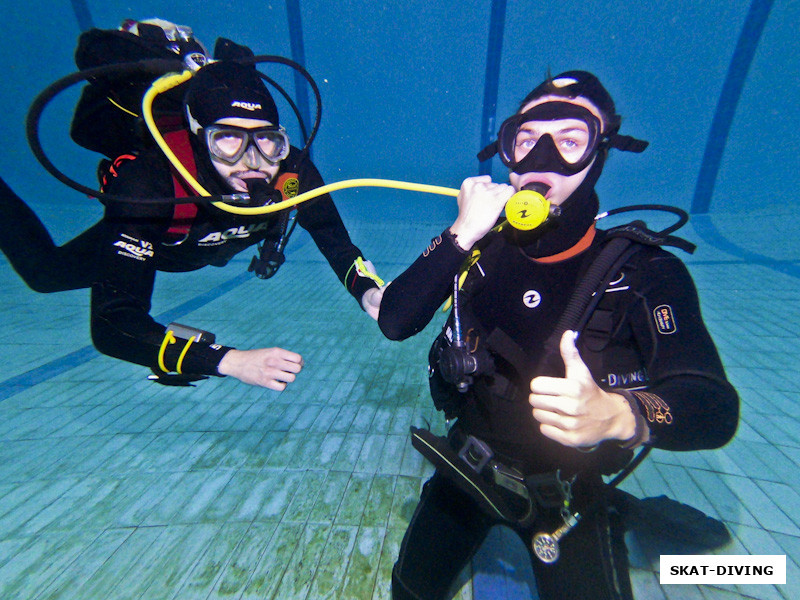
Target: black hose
157	67
299	68
683	216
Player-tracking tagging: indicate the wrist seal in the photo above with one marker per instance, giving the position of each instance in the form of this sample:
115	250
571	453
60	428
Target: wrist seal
641	432
453	239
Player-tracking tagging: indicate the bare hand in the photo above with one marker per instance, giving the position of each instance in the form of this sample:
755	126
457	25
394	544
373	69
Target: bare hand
371	301
480	202
271	368
574	411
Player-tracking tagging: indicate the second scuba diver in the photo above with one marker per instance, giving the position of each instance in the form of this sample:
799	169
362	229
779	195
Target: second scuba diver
542	414
234	143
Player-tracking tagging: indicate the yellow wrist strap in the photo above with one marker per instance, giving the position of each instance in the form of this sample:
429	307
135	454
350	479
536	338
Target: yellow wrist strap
179	364
364	272
169	338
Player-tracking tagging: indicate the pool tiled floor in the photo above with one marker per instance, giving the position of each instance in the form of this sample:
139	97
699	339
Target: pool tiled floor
114	487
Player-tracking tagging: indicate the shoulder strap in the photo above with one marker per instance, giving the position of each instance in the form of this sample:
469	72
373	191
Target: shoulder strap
587	295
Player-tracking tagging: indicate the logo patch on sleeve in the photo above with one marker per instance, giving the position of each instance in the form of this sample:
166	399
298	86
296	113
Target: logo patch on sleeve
290	187
665	320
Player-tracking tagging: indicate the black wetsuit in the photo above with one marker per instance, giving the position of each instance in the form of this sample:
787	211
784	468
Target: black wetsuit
119	256
658	344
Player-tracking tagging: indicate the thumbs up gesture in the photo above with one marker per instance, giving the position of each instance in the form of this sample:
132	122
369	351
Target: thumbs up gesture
573	410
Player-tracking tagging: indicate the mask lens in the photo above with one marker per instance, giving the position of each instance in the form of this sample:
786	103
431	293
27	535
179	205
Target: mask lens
227	144
273	144
570	136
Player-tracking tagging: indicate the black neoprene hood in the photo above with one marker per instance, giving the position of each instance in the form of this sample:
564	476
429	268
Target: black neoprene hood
227	89
572	84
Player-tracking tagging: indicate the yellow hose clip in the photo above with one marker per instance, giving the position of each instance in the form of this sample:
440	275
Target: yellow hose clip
363	271
462	275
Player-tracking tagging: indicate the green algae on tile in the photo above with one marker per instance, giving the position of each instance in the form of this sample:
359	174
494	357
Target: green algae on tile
244	561
393	449
354	499
168	509
371	452
220	445
229	501
134	499
297	578
186	544
330	498
349	452
344	418
310	487
58	552
205	495
286	449
388	556
362	570
88	562
208	568
284	485
15	522
242	446
274	561
261	452
404	503
329	449
378	506
333	564
119	563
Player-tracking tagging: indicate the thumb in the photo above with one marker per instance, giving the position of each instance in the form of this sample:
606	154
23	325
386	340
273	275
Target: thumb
575	367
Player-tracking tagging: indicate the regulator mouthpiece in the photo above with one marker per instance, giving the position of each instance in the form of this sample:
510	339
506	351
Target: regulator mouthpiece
528	208
260	192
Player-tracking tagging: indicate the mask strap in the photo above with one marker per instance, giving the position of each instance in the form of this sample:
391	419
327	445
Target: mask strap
626	143
488	152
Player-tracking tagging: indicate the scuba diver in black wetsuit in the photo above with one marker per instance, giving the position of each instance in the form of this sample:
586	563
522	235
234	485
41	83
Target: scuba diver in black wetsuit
234	143
543	413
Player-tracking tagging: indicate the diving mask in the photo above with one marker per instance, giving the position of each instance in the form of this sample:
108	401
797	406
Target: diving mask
553	137
229	143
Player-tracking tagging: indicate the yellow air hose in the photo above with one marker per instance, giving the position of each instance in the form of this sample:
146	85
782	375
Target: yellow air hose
171	80
525	210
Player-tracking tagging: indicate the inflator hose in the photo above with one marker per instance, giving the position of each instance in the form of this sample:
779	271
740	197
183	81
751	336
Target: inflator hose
156	66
